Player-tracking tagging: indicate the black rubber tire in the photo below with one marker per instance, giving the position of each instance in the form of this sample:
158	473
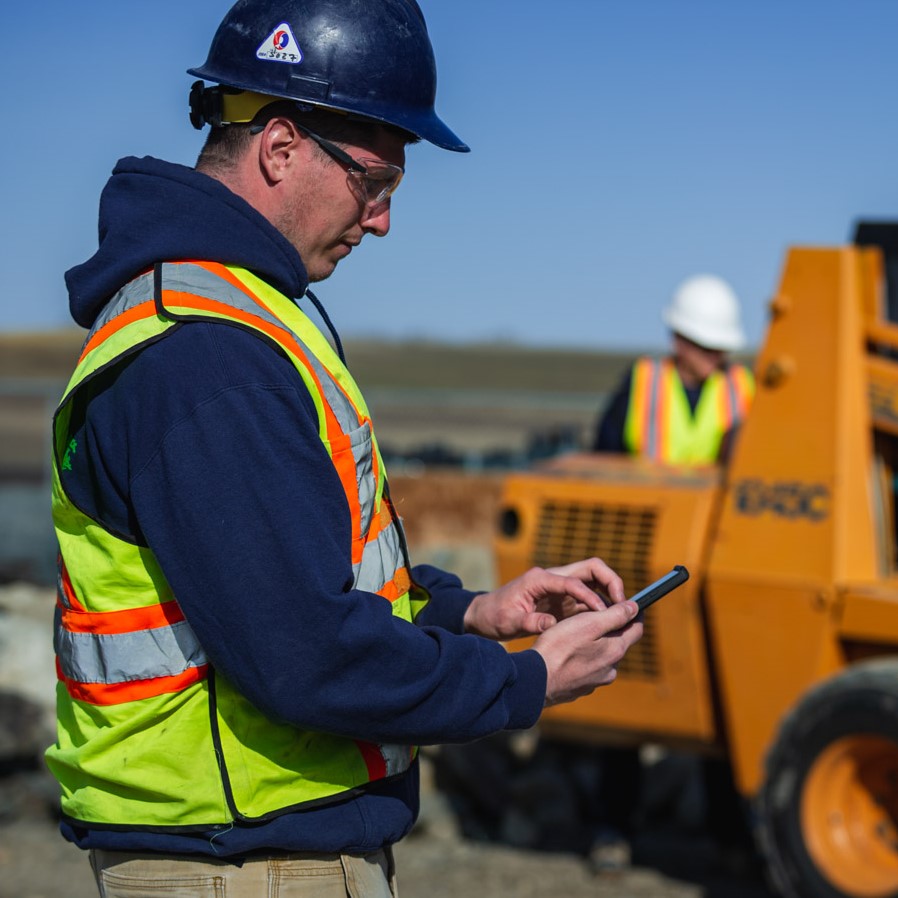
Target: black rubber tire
860	701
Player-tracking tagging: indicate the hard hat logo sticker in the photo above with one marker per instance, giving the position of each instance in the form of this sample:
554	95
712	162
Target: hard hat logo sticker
280	46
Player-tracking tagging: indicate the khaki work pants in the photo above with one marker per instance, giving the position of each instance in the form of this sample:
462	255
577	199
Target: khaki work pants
122	874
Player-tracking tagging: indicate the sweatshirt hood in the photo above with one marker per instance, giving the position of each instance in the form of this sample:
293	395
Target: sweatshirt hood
154	211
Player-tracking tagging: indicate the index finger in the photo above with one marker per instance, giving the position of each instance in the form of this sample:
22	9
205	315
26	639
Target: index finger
595	571
573	587
622	619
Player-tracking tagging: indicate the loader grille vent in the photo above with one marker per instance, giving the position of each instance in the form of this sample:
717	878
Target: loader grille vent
621	535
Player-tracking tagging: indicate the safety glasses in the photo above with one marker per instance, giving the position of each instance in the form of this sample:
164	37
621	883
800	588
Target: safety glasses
377	180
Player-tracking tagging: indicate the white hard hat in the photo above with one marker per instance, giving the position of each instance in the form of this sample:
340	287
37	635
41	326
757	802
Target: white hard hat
705	309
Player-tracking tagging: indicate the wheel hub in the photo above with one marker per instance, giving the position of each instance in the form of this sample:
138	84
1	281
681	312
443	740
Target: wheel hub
849	815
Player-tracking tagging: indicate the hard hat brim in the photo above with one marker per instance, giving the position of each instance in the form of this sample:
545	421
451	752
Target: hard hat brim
704	335
425	126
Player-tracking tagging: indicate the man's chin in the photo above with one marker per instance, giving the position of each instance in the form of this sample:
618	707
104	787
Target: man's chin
321	274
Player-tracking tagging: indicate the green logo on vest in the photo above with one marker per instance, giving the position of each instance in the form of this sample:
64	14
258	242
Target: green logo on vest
71	449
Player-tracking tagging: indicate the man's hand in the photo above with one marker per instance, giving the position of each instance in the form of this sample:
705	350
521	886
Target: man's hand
582	653
539	599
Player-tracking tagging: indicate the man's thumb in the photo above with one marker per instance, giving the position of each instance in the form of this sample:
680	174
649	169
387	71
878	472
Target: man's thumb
544	622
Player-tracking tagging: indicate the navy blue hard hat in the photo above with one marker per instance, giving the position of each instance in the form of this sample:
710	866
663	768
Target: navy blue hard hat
369	58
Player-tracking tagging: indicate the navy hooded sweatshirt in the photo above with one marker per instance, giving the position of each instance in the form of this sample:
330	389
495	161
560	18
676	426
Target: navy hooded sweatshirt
204	446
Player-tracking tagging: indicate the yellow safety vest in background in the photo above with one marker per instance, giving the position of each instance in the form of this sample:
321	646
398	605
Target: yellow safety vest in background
660	423
149	734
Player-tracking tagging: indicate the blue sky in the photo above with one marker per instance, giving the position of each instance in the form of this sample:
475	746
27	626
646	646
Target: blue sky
618	147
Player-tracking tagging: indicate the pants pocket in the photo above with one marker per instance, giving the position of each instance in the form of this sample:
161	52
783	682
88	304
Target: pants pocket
145	878
370	875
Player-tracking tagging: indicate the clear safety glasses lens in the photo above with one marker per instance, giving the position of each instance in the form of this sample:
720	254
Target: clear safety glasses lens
378	181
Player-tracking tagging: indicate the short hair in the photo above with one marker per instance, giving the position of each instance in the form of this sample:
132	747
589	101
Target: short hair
226	144
223	147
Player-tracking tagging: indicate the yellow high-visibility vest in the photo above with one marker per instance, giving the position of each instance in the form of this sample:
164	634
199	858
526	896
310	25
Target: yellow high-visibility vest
660	423
149	734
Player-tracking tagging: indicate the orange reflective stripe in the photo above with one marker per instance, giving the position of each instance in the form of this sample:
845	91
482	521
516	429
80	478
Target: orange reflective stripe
397	587
380	521
67	587
344	461
739	392
638	425
135	313
133	691
666	401
664	385
647	376
745	389
727	411
651	391
130	620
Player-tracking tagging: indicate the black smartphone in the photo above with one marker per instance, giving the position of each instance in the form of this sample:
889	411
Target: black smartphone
662	587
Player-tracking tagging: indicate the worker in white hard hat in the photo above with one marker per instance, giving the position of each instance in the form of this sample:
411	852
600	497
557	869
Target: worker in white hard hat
684	408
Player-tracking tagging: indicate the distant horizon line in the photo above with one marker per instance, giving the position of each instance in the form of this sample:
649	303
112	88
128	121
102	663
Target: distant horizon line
62	331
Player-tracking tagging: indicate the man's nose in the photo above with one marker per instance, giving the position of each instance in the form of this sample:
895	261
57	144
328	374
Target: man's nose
376	219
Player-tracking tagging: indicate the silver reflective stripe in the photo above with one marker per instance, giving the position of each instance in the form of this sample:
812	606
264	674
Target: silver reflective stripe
730	380
124	657
187	278
652	436
363	455
131	295
57	628
381	558
60	592
398	758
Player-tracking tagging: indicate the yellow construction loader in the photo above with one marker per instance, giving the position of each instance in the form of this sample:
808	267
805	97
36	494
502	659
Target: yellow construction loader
780	653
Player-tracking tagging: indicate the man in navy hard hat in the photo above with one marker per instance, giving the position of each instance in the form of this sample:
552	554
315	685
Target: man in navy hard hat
247	656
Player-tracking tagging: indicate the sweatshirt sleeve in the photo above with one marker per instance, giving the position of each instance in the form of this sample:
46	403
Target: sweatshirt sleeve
228	482
449	600
609	436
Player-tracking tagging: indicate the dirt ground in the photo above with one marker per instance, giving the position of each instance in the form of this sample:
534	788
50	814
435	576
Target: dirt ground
433	862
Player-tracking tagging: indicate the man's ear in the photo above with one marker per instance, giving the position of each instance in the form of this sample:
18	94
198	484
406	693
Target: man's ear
281	146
